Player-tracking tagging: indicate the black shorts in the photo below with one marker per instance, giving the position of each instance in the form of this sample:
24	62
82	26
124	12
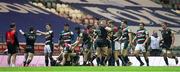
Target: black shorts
29	48
12	49
166	46
155	52
102	42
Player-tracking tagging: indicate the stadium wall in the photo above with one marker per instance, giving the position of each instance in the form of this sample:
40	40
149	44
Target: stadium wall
39	61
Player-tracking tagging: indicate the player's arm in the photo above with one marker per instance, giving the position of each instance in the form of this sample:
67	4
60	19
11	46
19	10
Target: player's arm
133	41
116	39
59	42
116	35
76	42
72	37
16	40
108	29
173	39
38	34
147	38
44	33
21	32
130	37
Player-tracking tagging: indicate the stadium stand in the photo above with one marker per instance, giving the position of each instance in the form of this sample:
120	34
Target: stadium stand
80	13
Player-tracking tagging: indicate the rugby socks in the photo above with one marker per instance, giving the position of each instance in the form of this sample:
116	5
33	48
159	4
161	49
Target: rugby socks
68	63
176	60
122	60
98	61
139	59
126	59
117	62
166	60
105	61
52	61
93	58
28	62
84	63
102	61
46	62
24	63
147	61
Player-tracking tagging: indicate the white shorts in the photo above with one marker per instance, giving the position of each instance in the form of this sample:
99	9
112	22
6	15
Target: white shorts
140	47
47	49
122	46
117	45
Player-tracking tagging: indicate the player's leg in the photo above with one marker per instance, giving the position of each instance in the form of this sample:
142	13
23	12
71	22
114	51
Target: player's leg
146	58
10	51
85	56
136	53
52	61
25	58
26	54
60	56
125	53
144	51
121	58
116	54
29	59
64	59
46	59
74	58
13	59
89	55
30	52
59	59
68	59
165	56
121	54
93	56
98	50
104	53
46	55
109	51
50	54
170	54
9	59
77	59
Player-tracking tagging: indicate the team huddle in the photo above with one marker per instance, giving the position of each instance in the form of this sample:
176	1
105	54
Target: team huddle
100	43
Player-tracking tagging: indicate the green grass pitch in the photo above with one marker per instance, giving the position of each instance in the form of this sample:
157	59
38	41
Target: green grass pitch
91	69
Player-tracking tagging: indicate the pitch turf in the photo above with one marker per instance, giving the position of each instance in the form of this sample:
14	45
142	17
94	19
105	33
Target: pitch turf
90	69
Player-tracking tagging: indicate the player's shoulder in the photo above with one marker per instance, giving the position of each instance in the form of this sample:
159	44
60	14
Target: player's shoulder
170	30
128	29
